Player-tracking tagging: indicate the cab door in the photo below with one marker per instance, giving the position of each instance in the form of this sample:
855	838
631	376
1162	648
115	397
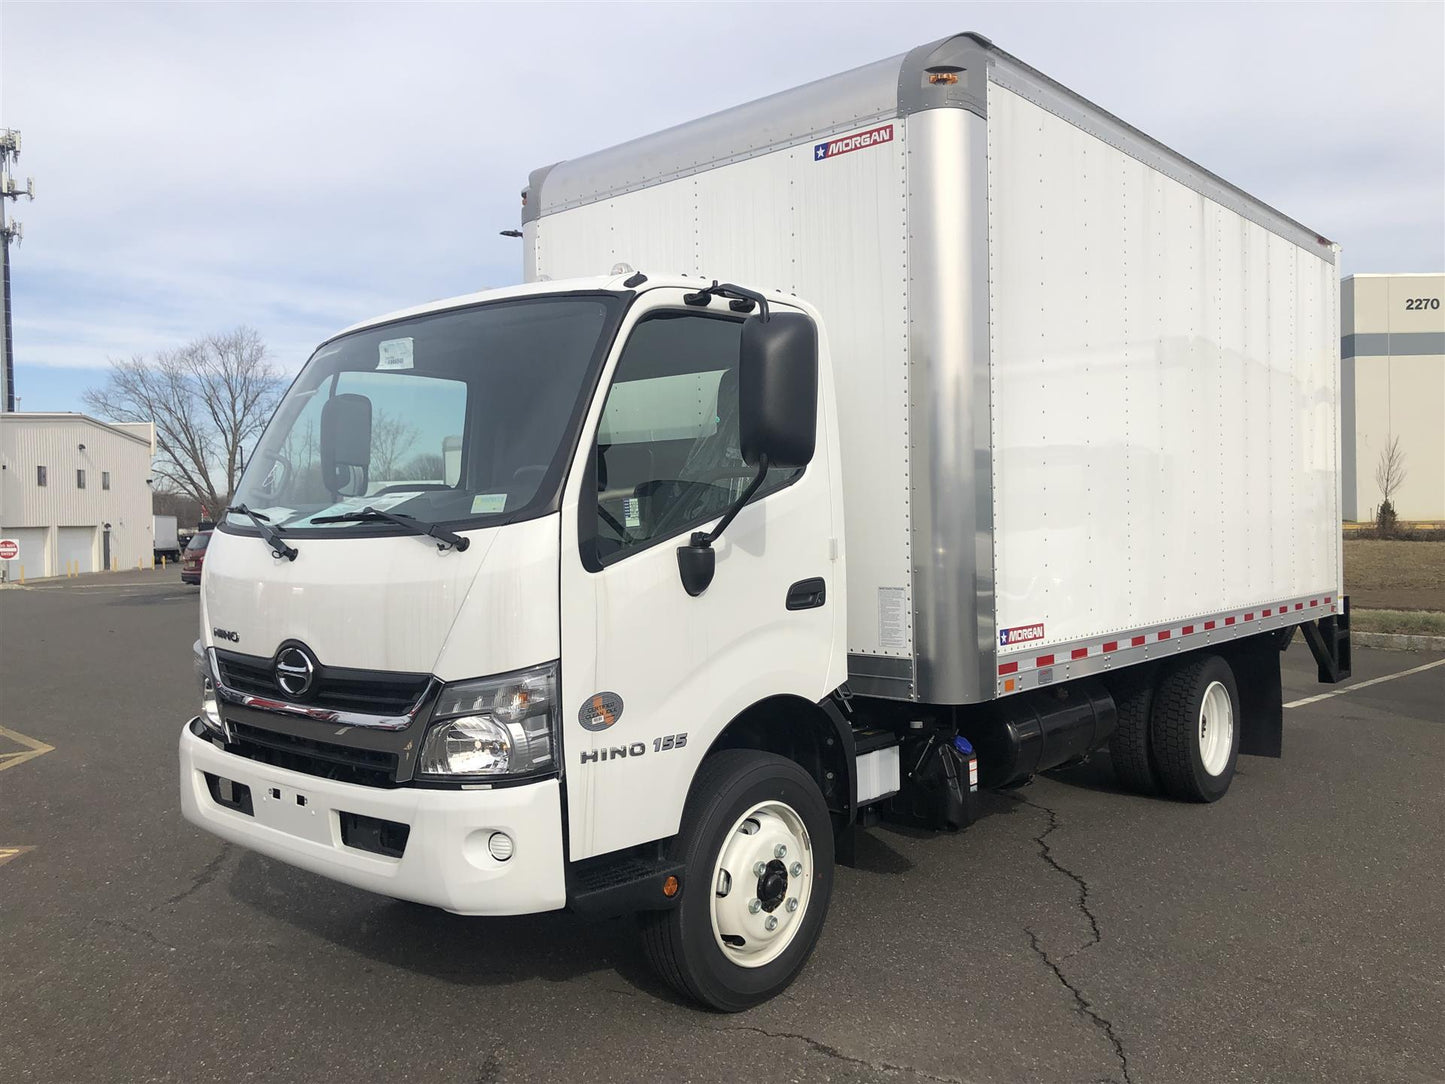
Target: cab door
650	675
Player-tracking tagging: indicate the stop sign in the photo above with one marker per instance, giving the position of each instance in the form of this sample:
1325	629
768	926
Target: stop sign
9	549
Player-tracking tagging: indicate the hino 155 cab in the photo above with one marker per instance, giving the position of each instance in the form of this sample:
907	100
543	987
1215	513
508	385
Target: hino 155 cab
933	429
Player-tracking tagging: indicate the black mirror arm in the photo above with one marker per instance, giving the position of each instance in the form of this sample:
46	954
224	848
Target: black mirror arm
697	561
707	538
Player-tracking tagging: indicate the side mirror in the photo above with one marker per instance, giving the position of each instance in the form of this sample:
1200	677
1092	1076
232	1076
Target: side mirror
778	390
345	443
777	420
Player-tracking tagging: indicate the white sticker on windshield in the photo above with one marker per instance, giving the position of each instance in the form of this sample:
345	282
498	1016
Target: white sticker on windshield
489	502
631	512
394	354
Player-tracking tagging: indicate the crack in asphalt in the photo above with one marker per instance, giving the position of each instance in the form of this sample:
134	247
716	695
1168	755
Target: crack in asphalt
838	1055
1083	1004
205	877
1047	853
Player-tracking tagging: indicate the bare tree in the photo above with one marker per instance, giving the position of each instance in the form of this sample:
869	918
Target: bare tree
208	400
1389	476
424	467
391	438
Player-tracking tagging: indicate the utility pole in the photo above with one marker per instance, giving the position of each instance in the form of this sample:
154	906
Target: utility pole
9	152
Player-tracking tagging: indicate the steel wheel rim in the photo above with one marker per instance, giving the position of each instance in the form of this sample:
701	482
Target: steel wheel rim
743	902
1216	728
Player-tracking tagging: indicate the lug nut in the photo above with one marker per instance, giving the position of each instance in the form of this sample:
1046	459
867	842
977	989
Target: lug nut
792	904
780	851
771	923
754	906
759	868
796	869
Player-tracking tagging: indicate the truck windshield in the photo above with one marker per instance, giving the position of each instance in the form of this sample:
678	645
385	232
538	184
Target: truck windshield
458	417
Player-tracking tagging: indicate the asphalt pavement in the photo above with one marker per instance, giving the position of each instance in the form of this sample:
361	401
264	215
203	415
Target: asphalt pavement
1293	931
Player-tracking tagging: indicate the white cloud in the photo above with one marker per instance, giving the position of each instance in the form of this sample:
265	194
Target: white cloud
301	167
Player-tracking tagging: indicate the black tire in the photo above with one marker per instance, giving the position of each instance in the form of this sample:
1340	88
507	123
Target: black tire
679	943
1133	694
1175	729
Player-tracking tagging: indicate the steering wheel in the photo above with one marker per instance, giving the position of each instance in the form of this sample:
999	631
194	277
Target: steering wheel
687	486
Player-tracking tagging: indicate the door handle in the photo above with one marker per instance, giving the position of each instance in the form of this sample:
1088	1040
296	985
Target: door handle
807	594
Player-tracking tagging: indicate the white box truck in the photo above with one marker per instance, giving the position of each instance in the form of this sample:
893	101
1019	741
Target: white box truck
167	541
940	430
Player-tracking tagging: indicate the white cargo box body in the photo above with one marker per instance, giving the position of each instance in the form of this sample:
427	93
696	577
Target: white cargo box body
1087	391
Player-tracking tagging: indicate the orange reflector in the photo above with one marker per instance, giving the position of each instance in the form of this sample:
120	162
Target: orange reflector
943	77
1008	686
670	887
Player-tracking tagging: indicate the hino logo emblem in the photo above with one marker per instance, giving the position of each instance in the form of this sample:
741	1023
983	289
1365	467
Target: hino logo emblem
294	671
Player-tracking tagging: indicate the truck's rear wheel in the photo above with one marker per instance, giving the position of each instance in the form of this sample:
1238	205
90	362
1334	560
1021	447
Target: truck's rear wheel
757	845
1194	729
1133	694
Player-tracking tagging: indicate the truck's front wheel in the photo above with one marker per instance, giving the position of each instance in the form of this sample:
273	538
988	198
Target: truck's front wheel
757	847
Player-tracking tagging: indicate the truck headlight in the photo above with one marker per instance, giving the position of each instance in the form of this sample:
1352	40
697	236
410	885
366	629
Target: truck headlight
493	727
210	709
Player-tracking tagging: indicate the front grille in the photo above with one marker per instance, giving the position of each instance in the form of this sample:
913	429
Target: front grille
343	763
334	688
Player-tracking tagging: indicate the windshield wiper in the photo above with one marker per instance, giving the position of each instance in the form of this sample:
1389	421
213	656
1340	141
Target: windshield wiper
270	534
444	538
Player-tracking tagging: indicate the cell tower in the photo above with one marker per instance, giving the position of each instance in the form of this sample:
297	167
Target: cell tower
9	152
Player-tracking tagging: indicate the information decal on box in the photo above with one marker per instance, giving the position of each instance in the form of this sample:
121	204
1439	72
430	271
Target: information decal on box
892	619
1020	634
856	142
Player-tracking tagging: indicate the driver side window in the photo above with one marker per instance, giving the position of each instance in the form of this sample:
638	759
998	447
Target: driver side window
667	452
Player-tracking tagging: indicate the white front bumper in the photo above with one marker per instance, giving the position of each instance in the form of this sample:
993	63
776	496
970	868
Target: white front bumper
446	862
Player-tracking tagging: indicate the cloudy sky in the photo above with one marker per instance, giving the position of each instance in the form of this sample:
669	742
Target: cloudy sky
298	168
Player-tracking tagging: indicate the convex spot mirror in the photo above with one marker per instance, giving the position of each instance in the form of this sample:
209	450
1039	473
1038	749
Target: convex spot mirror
778	390
346	444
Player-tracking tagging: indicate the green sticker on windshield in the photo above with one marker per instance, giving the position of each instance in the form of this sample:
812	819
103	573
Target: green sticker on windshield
489	502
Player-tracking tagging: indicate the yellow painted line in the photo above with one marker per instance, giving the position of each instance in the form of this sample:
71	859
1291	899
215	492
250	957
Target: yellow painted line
7	853
33	749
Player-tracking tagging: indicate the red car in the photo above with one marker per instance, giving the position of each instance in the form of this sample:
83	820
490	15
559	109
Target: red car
194	557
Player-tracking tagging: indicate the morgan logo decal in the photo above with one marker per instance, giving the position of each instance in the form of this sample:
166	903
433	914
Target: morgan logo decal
856	142
1021	634
600	711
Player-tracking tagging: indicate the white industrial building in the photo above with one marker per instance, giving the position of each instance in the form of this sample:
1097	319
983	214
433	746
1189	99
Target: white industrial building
1392	353
75	493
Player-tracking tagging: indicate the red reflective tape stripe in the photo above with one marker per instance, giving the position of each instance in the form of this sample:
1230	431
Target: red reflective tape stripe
1186	630
1314	602
1044	660
1229	620
1112	645
1208	625
1327	598
1080	653
1267	613
1164	635
1136	641
1249	617
1008	667
1300	605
